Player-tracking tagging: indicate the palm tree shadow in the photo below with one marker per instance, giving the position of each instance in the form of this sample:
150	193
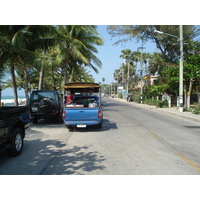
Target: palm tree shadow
52	157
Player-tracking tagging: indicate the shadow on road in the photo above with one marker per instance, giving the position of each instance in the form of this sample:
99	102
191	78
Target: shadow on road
51	157
107	125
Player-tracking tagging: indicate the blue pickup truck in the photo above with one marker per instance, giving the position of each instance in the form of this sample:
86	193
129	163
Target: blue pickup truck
86	106
14	120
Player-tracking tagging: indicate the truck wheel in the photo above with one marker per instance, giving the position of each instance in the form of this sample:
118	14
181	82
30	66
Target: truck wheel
99	126
68	127
17	143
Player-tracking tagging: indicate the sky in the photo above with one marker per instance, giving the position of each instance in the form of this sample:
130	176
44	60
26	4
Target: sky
109	54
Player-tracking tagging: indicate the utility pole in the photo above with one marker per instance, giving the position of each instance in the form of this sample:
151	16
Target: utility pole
127	61
141	69
181	70
128	77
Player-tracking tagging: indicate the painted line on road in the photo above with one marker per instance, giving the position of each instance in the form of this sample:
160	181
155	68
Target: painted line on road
137	122
153	134
190	162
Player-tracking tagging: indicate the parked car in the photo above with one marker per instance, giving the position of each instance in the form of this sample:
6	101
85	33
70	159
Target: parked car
13	122
46	104
86	107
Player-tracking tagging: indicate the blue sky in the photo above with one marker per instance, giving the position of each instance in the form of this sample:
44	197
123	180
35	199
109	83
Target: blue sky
110	55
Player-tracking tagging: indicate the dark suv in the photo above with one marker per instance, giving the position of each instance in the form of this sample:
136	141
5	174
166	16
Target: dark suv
46	104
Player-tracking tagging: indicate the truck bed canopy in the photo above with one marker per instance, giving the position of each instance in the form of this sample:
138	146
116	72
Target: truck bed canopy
82	87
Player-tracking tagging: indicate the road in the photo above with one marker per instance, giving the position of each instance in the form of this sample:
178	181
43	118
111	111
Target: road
133	141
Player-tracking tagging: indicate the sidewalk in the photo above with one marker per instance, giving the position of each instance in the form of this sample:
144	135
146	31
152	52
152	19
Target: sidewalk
172	111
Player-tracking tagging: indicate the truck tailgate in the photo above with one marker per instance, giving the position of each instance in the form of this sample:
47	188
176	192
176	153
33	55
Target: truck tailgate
77	114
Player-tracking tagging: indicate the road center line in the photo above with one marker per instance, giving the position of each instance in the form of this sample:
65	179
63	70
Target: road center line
190	162
137	122
153	134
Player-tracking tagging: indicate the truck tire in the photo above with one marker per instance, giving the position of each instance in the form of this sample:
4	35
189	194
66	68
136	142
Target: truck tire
99	126
17	142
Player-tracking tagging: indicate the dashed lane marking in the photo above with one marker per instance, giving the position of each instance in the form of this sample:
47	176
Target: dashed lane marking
190	162
153	134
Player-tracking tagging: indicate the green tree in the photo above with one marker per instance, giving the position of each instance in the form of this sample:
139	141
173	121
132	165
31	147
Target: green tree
155	60
77	47
41	40
165	43
127	68
11	50
191	73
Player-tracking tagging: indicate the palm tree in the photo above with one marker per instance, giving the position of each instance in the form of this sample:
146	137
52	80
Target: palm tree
41	40
136	56
154	61
128	69
76	47
11	51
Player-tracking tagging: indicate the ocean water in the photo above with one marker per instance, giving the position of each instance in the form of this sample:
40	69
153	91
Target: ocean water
9	100
12	97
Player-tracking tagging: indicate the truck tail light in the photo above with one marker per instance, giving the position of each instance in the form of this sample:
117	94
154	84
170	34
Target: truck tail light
99	113
64	114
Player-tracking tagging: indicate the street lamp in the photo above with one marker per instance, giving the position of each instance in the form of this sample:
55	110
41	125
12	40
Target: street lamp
180	38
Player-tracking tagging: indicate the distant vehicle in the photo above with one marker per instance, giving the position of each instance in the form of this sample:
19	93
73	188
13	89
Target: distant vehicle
13	122
86	108
46	104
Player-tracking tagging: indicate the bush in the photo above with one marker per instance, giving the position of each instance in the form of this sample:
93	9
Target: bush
163	104
120	95
159	103
151	102
136	96
196	110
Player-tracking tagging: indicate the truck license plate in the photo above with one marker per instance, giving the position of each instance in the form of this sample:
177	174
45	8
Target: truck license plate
81	125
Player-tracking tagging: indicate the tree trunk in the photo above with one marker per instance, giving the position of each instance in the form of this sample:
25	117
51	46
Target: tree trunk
53	78
14	85
26	85
189	93
41	80
72	76
65	74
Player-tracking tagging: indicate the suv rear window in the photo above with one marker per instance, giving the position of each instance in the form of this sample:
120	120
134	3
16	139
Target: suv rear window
41	95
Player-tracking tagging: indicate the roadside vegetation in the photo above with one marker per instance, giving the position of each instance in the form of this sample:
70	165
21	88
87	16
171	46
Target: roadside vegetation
163	64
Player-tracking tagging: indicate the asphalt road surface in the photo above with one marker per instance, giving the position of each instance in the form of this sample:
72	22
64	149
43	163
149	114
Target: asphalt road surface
132	141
